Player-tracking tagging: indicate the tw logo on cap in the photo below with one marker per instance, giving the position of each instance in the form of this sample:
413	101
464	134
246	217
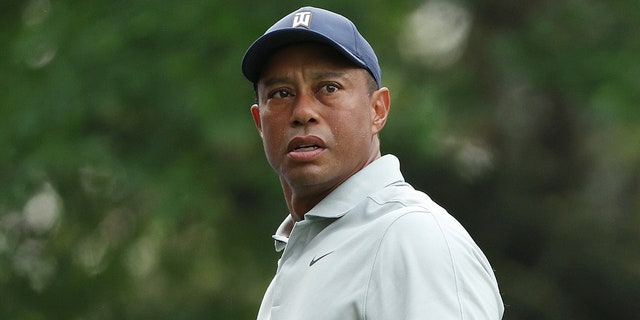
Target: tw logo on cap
302	19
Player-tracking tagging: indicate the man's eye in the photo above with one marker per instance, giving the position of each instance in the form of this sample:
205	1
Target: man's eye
280	93
330	88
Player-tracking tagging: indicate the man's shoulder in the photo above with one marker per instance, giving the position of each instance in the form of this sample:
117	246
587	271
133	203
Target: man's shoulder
400	196
400	206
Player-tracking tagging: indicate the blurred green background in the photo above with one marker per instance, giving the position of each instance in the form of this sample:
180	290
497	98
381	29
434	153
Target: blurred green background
133	183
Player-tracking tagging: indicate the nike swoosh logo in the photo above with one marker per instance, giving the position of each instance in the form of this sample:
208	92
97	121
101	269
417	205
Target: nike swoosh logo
314	260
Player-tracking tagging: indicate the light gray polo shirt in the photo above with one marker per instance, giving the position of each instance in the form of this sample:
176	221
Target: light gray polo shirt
375	248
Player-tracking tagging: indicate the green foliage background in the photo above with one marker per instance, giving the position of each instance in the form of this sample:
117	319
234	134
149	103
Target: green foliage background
133	183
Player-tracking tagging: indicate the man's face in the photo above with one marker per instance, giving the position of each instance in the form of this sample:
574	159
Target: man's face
317	116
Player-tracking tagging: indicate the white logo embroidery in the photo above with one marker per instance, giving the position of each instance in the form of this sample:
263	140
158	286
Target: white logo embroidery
302	19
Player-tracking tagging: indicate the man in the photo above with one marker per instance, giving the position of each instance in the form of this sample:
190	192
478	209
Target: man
359	242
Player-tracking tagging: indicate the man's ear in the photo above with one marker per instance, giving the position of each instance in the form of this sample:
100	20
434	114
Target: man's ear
380	103
255	113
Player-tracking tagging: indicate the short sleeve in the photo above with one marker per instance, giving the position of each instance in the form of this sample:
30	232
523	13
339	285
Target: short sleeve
428	267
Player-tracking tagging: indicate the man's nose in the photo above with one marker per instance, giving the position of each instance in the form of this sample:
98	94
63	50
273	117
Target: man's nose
304	110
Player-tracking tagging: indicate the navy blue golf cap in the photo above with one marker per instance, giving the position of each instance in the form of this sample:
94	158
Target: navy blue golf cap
309	24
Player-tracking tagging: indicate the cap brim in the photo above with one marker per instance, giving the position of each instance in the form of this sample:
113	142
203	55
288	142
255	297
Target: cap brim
261	50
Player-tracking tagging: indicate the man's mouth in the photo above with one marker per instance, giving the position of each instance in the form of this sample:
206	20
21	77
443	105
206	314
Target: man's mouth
306	148
305	143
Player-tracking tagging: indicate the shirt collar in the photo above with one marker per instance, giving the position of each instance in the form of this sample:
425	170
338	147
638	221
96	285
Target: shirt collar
377	175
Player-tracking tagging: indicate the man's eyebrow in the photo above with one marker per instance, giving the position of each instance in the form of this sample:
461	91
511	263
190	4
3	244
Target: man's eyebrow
275	80
316	75
328	74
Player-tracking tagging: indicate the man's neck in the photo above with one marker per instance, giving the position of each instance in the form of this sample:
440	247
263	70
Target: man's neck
300	204
302	200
